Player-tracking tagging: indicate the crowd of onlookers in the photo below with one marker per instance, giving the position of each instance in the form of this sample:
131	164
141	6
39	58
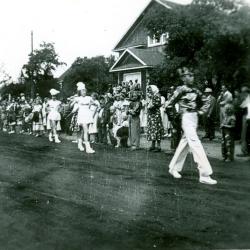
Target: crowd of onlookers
123	113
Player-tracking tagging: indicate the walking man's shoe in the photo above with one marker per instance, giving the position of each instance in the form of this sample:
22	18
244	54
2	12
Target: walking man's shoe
175	174
157	150
207	180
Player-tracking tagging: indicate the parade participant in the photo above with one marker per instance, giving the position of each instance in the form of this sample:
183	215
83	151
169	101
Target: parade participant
37	118
209	109
188	98
84	117
54	116
227	129
155	130
134	120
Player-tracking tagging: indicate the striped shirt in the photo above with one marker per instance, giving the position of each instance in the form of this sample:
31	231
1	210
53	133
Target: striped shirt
188	99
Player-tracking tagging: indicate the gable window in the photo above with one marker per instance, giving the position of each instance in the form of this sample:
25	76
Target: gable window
156	41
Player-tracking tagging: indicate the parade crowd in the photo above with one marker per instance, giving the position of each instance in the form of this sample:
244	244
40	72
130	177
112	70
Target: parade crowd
122	114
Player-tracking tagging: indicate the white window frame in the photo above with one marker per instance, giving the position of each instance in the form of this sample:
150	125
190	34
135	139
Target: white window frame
134	73
152	42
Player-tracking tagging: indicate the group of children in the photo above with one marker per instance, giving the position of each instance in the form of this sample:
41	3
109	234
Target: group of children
23	116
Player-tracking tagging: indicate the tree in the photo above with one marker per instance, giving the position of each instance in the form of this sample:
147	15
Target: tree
6	82
5	78
211	36
38	72
92	71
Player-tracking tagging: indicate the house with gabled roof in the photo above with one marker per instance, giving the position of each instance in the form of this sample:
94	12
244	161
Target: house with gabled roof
138	52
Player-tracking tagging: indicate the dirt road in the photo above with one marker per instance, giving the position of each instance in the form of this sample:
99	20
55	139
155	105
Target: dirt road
55	197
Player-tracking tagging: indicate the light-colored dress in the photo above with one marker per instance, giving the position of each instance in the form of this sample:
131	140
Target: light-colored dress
164	116
54	115
143	114
85	115
44	114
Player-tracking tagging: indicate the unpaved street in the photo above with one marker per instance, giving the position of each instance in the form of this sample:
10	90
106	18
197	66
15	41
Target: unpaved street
55	197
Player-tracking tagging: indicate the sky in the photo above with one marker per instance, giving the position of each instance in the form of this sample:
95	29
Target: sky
77	27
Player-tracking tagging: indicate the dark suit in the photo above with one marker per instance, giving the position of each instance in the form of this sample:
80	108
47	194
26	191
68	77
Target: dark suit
209	109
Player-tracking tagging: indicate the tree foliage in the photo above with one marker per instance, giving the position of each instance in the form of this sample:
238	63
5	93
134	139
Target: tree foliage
38	72
94	72
5	78
211	36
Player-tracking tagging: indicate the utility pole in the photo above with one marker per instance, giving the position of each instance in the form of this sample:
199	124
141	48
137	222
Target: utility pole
32	89
32	42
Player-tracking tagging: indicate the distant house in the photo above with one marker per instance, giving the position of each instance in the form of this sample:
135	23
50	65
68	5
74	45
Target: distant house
138	52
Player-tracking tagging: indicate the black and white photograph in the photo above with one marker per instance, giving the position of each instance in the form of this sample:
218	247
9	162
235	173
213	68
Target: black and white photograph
125	125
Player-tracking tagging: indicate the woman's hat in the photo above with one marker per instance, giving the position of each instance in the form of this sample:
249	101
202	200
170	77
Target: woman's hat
208	90
80	86
154	89
54	92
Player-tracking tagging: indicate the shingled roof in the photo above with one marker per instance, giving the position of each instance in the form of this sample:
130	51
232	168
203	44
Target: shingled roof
149	56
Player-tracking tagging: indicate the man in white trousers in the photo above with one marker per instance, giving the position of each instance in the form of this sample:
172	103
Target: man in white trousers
188	98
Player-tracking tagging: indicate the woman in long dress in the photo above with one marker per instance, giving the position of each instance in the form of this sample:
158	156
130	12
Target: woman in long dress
54	116
155	130
84	118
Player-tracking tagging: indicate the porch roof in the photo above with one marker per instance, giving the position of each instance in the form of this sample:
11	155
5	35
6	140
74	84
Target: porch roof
135	58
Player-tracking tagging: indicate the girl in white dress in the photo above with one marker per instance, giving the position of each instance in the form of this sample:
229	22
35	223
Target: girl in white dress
84	118
54	116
